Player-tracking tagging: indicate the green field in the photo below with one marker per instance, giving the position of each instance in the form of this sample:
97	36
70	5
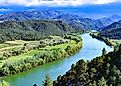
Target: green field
18	44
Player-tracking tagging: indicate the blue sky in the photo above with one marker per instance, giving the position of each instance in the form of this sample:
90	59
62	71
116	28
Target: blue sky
87	8
55	2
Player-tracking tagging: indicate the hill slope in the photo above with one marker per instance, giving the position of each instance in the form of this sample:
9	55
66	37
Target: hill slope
112	31
73	20
32	29
109	20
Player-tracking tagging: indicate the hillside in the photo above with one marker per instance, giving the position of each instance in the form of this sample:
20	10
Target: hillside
73	20
79	22
109	20
32	29
101	71
112	31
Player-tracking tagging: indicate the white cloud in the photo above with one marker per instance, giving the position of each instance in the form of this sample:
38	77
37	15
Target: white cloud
3	10
54	2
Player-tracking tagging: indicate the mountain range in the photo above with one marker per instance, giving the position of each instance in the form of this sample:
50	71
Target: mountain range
112	31
58	22
109	20
73	20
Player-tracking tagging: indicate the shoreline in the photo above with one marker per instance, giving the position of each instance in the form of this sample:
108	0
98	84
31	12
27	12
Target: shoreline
106	40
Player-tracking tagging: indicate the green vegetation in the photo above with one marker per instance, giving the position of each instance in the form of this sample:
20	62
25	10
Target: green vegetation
104	70
47	81
29	54
4	83
31	30
105	39
112	31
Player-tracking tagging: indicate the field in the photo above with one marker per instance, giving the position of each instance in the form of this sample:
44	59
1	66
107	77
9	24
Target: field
17	45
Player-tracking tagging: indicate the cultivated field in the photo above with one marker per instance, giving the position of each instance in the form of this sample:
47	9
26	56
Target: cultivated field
14	51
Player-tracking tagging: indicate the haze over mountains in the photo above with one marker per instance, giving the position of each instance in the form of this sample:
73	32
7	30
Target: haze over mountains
36	22
72	19
109	20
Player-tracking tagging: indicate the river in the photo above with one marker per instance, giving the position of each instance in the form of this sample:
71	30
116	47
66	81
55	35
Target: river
91	48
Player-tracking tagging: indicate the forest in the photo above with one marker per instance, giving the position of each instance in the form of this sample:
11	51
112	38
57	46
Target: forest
32	30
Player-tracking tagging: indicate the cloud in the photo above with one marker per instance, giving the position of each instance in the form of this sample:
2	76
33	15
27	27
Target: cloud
3	10
55	2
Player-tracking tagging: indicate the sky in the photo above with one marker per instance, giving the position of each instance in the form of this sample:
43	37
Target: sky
55	2
89	8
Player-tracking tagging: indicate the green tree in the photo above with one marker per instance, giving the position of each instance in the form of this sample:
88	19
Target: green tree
103	51
94	83
47	81
4	83
35	85
102	82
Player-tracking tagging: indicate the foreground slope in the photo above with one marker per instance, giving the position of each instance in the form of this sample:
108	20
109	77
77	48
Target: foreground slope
104	70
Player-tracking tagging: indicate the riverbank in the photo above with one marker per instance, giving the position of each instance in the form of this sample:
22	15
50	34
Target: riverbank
106	40
40	56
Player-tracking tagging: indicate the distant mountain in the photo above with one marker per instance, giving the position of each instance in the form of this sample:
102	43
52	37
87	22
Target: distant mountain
28	15
73	20
33	29
112	31
79	22
109	20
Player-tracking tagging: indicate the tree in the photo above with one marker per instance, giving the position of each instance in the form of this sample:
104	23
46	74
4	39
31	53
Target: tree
94	83
103	51
47	81
35	85
4	83
72	66
102	82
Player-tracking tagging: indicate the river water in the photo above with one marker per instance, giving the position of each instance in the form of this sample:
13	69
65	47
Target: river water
91	49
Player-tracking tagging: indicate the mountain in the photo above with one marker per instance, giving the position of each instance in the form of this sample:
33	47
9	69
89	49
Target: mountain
112	31
109	20
28	15
33	29
74	20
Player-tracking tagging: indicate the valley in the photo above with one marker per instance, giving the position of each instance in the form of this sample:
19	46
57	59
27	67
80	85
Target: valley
61	66
36	43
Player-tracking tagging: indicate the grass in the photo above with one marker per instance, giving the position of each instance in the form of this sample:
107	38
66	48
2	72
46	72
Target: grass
61	45
19	43
4	45
33	52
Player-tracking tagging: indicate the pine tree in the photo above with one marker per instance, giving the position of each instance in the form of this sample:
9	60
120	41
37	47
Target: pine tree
35	85
94	83
4	83
102	82
47	81
103	51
